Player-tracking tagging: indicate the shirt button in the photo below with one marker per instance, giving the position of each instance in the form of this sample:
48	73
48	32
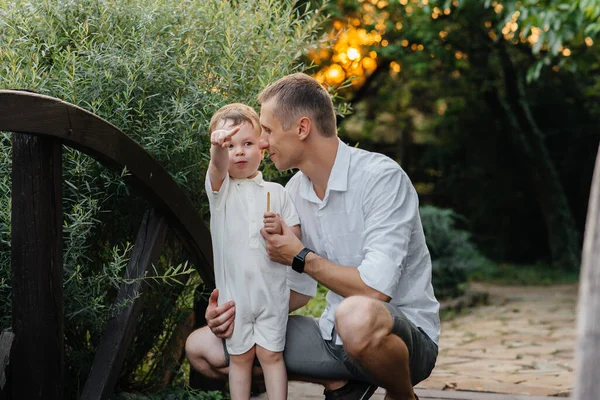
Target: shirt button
253	242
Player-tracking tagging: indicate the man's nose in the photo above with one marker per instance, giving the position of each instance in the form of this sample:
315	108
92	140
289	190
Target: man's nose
239	151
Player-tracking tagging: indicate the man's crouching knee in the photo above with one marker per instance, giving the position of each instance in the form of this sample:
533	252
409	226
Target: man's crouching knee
362	323
205	353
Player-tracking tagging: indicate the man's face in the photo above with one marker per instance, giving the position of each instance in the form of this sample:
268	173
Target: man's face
283	145
244	154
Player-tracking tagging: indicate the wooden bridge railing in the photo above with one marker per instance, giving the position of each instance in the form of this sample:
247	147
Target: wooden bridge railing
43	125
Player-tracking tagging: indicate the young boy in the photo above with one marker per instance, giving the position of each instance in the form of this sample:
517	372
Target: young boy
240	200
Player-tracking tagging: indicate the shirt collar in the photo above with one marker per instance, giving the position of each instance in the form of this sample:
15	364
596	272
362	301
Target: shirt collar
338	178
258	179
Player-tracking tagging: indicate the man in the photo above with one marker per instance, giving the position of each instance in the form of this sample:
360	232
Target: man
362	239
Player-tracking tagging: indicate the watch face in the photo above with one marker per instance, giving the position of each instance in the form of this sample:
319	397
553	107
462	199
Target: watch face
298	264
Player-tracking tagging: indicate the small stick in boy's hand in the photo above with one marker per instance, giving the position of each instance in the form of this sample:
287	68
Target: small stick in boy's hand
268	201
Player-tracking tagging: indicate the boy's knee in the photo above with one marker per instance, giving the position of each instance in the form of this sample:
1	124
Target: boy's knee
267	356
245	358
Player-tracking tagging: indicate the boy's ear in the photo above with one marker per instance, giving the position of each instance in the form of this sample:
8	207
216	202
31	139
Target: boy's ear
304	128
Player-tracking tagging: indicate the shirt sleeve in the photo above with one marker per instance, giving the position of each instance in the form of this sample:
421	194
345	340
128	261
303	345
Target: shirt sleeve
390	207
288	210
301	283
216	199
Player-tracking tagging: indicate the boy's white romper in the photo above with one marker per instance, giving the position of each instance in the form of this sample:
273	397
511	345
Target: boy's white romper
243	271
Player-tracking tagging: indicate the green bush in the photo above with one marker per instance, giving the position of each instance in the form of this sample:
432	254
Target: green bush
157	70
453	254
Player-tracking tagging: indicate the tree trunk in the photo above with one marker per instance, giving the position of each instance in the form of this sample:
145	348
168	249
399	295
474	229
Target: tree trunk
587	352
563	240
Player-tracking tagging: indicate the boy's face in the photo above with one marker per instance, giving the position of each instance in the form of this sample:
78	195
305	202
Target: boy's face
244	154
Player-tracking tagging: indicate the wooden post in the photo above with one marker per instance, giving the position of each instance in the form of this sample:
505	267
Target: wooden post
119	330
6	340
36	251
587	352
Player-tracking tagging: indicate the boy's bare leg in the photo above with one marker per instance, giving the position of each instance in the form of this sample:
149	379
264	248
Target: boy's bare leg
240	374
274	373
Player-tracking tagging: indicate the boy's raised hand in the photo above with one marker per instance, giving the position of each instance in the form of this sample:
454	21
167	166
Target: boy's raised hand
222	137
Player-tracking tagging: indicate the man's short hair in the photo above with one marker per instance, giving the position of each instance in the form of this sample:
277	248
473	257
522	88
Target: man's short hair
238	113
298	94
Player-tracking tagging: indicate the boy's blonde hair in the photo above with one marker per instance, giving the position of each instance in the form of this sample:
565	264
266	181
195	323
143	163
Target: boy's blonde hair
238	113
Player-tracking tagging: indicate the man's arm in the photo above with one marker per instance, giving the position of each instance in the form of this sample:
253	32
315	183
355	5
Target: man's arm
391	206
345	281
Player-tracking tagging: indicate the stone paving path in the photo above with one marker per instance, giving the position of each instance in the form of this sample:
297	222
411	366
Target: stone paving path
522	343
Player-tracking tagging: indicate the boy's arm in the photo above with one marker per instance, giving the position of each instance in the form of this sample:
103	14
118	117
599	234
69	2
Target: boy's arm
218	167
297	231
297	300
219	156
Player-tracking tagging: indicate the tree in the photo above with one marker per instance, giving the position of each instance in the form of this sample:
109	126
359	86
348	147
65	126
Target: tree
490	53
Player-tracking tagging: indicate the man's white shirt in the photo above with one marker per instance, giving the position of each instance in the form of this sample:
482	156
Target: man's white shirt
368	219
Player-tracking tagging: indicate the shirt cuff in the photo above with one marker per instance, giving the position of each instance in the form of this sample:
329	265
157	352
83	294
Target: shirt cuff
379	272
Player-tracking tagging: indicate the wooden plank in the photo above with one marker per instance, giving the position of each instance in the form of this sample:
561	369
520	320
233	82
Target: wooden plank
36	251
44	115
310	391
587	351
6	340
428	394
120	329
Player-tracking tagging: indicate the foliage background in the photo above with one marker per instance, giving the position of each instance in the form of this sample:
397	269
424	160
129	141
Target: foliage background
157	70
490	106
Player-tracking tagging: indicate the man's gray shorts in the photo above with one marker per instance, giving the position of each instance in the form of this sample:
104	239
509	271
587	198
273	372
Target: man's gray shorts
307	354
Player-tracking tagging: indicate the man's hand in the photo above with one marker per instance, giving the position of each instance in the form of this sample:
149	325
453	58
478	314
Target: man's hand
220	319
282	248
222	137
272	224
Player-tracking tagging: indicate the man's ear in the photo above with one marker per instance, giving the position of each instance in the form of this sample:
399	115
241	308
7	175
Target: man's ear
304	126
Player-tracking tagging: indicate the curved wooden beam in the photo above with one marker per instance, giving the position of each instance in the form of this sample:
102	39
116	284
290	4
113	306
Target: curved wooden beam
26	112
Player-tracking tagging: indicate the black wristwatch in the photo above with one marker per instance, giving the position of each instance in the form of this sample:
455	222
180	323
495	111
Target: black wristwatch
298	263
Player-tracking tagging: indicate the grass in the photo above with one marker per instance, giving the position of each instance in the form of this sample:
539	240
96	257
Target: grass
316	305
526	275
